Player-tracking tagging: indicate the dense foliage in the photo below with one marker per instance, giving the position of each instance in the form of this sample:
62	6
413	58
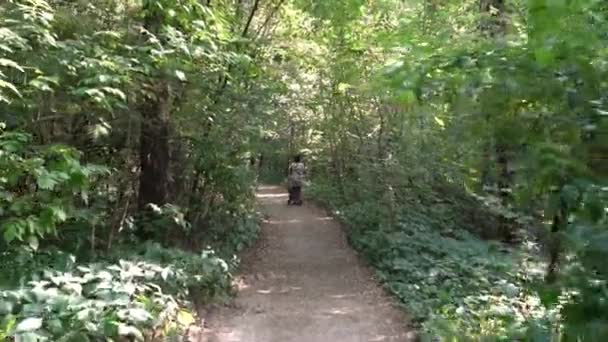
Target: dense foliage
121	122
488	117
463	142
147	295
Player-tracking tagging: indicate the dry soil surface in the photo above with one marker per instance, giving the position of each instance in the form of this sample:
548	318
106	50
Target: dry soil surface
303	283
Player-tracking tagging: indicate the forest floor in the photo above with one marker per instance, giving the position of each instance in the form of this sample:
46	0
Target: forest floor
303	283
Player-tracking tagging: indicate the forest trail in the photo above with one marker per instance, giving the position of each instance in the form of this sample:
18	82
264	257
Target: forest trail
303	283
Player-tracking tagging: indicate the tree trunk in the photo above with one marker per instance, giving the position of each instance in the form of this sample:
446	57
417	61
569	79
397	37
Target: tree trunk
493	24
154	148
560	220
504	176
504	182
486	165
154	135
254	9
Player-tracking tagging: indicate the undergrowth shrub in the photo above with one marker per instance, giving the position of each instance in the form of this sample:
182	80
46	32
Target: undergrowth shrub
232	229
42	189
71	272
452	283
142	297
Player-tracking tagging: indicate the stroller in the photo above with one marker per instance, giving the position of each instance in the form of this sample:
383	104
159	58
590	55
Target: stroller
295	195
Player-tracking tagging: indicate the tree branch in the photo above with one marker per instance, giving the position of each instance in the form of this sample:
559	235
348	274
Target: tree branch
269	18
254	9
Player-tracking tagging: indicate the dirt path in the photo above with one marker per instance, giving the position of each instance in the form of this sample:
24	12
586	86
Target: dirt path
303	283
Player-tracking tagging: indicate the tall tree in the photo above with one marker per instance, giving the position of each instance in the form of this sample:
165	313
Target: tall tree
155	121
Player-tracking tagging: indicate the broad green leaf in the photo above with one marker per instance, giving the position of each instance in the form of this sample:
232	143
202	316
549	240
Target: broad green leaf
4	84
40	85
13	230
343	87
131	331
180	75
544	56
407	97
28	337
10	64
185	318
116	92
47	181
139	315
33	242
439	121
99	130
6	307
29	324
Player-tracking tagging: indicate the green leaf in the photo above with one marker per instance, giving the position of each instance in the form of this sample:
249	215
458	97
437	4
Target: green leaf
139	315
185	318
28	337
439	121
55	326
549	295
116	92
407	97
544	56
10	64
10	86
13	230
6	307
77	336
180	75
40	85
343	87
46	181
7	324
33	242
85	314
129	330
29	324
99	130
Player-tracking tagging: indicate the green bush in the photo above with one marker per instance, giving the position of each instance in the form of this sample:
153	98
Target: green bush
451	282
134	290
137	297
42	188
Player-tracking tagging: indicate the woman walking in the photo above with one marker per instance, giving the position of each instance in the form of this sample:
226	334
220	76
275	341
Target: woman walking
295	181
